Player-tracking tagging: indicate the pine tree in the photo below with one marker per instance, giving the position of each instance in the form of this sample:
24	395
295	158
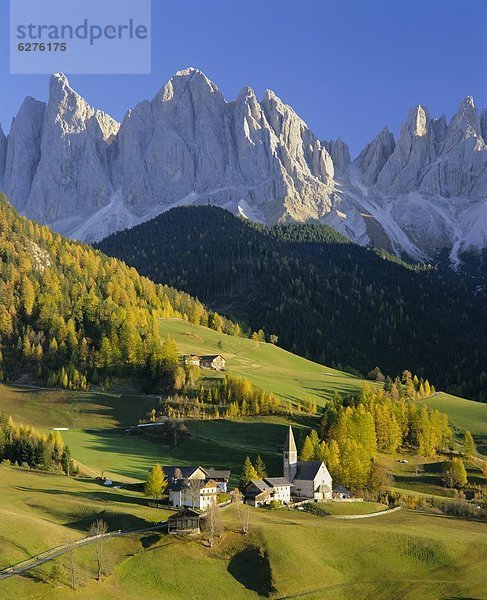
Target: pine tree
260	468
155	483
248	473
308	450
468	445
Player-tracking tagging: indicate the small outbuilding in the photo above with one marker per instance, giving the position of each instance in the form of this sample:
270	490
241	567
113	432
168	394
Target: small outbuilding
213	361
341	493
183	522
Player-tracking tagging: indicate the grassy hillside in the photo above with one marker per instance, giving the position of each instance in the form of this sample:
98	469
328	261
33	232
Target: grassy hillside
46	408
98	441
464	414
97	421
39	511
269	367
405	554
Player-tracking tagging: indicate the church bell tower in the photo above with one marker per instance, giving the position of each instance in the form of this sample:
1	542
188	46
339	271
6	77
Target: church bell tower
290	458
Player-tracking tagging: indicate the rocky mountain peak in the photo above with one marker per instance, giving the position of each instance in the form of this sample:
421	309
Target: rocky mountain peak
464	125
339	152
72	113
375	155
188	83
418	121
77	169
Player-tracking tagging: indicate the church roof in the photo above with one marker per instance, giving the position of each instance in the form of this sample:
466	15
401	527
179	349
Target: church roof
290	444
307	470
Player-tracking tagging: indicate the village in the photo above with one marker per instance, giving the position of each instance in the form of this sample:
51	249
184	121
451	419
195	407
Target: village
194	490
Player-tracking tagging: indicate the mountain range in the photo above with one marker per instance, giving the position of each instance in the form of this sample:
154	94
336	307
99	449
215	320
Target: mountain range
78	170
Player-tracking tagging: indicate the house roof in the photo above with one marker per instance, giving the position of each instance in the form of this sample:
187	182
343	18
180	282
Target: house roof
277	481
260	484
178	485
211	357
342	489
210	483
290	444
186	512
307	470
186	471
218	474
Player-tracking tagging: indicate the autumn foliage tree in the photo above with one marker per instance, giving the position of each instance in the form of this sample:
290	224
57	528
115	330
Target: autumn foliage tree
156	482
71	316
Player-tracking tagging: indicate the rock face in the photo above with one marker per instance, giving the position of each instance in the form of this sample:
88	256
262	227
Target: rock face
77	169
3	152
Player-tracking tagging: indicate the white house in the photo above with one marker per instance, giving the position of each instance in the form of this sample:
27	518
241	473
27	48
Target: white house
310	479
194	493
220	476
263	491
281	489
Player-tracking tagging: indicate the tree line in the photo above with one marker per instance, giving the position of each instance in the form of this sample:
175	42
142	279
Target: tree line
25	446
377	420
229	397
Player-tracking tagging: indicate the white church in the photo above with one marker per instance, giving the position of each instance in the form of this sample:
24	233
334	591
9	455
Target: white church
310	479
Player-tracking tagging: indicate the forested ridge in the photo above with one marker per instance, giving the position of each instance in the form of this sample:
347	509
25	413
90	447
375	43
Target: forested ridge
325	297
70	315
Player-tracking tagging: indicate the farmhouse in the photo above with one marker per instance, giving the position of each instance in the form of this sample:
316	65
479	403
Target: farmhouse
310	479
184	521
195	486
192	359
211	361
263	491
196	493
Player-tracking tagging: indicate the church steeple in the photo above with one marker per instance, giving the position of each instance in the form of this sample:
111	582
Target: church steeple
290	458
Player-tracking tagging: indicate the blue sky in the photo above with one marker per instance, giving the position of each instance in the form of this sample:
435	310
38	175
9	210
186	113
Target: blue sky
348	67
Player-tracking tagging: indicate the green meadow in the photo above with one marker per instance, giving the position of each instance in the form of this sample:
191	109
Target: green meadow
286	554
40	510
97	421
269	367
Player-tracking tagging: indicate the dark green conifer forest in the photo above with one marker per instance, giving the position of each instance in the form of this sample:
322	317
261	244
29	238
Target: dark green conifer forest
323	296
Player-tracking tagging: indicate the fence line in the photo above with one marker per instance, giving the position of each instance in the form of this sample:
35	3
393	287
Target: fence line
376	514
58	550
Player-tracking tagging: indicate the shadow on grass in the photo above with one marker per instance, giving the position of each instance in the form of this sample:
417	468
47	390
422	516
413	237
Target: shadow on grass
252	569
97	496
150	540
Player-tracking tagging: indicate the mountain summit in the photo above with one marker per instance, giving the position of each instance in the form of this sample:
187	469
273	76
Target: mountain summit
78	170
